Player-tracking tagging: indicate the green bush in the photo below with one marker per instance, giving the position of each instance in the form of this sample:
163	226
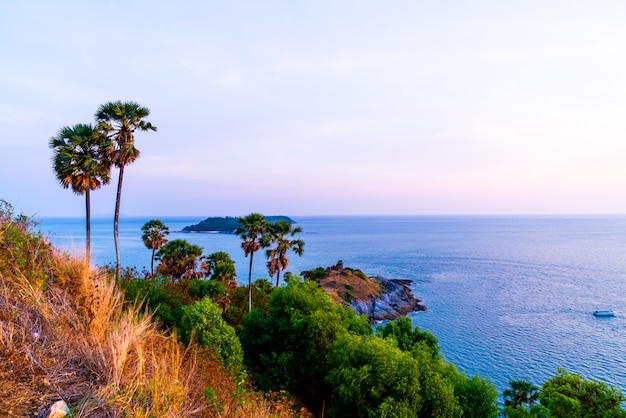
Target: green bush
203	322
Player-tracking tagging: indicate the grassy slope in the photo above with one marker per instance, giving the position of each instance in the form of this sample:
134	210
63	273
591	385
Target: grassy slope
65	333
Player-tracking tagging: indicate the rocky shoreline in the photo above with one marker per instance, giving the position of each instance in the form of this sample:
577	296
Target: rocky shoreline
395	300
377	297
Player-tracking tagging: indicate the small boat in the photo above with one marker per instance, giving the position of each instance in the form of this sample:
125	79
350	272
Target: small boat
603	313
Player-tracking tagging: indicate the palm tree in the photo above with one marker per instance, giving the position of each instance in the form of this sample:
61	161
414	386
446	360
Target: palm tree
278	235
222	267
80	162
252	228
119	120
153	237
181	260
520	393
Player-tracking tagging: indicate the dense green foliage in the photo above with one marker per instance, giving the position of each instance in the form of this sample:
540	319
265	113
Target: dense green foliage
227	224
296	339
570	395
203	321
566	395
329	357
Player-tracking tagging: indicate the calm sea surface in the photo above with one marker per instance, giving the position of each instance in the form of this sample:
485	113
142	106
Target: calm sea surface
508	297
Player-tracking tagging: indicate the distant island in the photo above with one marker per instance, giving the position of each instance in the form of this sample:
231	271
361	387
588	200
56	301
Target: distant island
227	225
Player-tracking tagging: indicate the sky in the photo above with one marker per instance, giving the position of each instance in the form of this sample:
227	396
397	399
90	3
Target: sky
324	107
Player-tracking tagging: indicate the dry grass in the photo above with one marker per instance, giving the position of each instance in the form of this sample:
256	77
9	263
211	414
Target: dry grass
66	334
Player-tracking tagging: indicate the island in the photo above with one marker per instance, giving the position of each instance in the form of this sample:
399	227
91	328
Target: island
377	297
227	225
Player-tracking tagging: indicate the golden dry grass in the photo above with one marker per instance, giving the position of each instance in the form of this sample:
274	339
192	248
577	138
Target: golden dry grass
65	333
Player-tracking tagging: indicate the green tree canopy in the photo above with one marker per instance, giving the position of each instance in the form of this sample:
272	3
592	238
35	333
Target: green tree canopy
203	321
181	260
570	395
221	267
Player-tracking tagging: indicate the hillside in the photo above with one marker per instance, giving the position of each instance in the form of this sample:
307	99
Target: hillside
377	297
226	225
67	334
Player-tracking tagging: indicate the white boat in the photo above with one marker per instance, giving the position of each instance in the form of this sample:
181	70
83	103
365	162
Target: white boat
603	313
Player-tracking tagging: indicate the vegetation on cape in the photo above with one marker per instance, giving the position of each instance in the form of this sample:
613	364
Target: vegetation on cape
184	345
228	224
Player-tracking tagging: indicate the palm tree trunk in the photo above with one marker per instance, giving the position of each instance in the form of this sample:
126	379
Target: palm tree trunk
250	284
277	278
116	222
152	263
88	226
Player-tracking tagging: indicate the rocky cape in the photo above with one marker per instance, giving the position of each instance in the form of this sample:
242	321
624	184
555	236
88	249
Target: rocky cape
378	297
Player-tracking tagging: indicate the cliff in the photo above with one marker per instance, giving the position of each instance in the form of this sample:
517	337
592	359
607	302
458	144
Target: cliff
378	297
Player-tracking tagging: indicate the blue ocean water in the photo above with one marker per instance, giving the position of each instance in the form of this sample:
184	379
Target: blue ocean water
507	297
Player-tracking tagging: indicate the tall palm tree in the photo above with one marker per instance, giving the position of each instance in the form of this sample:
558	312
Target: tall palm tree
153	237
80	161
120	120
278	237
252	228
520	393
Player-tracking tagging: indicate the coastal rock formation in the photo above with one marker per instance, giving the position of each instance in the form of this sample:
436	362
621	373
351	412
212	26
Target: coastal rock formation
395	300
378	297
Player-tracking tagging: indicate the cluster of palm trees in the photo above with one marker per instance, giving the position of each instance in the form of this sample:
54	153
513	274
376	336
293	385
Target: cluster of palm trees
278	238
84	154
256	232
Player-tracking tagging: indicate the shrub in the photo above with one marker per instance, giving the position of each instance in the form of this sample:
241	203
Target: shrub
203	322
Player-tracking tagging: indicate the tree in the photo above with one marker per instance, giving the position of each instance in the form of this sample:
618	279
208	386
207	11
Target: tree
153	237
520	394
477	397
278	237
402	331
80	162
252	228
287	346
203	321
221	267
181	260
570	395
119	120
371	376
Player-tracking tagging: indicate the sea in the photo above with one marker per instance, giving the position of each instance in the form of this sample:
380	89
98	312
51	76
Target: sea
508	297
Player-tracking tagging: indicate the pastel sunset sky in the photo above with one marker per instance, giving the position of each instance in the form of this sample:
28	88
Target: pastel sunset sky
324	107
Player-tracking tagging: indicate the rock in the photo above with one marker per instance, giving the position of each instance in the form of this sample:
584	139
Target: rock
377	297
58	410
395	300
